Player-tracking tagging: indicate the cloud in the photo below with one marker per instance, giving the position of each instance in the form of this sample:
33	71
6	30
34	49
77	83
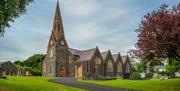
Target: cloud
108	24
119	42
80	8
85	32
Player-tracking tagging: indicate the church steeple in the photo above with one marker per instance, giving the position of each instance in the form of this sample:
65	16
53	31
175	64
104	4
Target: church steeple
58	35
57	19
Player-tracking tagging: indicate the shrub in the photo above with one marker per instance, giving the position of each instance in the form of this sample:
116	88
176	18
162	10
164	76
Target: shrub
136	76
36	72
148	75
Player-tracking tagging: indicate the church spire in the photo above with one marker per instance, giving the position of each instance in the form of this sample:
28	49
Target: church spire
57	18
58	31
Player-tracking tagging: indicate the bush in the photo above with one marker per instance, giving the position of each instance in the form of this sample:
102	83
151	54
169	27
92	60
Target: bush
136	76
148	75
162	73
36	72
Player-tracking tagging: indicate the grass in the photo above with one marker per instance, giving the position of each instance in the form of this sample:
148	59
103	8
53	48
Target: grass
143	85
14	83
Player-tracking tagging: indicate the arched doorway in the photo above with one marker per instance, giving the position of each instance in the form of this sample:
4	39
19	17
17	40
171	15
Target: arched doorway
61	72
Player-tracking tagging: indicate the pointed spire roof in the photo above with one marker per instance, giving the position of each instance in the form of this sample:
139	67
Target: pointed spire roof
58	30
58	24
57	18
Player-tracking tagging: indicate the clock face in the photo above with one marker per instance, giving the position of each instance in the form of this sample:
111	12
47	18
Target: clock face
62	42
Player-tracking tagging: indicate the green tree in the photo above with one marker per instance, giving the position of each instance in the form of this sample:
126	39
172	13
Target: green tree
173	66
9	10
33	62
140	66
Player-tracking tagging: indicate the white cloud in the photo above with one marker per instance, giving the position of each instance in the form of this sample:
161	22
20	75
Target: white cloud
80	8
120	42
108	24
114	13
84	32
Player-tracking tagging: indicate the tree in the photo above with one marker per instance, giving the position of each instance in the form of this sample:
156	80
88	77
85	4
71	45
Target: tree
33	62
159	35
141	66
173	66
9	10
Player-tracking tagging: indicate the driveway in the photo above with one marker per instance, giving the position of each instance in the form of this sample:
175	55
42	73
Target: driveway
91	87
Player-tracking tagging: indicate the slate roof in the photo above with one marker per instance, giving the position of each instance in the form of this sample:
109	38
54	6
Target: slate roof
115	56
85	55
124	58
2	63
74	51
104	54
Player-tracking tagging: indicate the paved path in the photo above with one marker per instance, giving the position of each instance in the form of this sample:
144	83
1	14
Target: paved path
87	86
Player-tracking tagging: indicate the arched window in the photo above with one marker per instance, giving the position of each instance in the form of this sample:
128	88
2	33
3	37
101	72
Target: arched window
109	66
119	67
128	68
51	52
97	63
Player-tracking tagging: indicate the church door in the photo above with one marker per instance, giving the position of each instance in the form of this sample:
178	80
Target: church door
61	72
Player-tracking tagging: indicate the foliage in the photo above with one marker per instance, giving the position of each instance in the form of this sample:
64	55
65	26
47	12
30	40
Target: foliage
159	34
162	72
136	76
173	67
14	83
34	62
148	75
9	10
19	64
36	72
154	62
141	85
142	67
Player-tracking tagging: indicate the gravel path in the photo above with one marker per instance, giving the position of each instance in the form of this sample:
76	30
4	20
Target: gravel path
91	87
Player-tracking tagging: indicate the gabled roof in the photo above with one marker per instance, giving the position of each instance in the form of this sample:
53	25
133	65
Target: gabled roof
124	58
4	62
115	56
85	55
104	54
1	63
74	51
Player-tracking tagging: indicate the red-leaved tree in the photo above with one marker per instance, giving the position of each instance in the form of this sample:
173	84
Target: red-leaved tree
159	34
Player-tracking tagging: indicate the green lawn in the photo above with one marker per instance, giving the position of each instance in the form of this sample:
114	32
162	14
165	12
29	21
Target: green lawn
144	85
14	83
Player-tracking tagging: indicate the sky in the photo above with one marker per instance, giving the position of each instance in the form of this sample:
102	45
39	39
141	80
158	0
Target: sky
108	24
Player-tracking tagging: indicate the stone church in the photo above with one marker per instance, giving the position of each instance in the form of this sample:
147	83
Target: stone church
63	61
